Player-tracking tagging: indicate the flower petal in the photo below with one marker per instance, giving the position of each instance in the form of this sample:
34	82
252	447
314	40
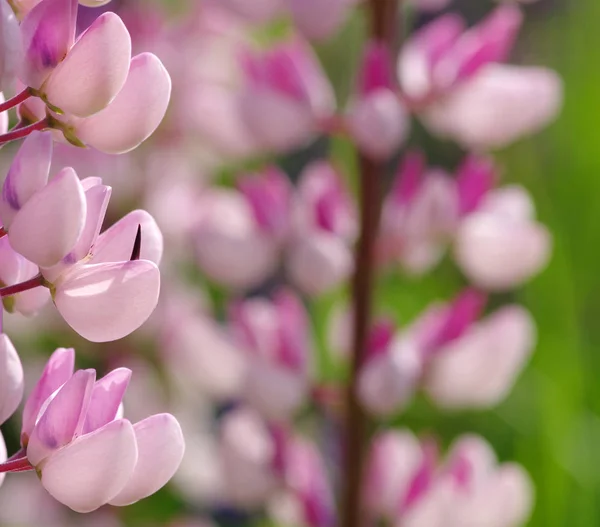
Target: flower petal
11	378
48	225
106	398
28	174
63	418
105	302
48	32
94	468
57	371
94	70
115	244
160	451
136	111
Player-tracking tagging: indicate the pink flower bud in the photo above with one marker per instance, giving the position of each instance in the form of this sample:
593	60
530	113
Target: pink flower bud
275	336
94	70
500	246
135	112
48	32
231	248
48	225
284	85
479	368
11	378
475	177
499	105
395	458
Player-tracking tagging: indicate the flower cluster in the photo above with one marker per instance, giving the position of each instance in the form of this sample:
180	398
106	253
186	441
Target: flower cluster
87	90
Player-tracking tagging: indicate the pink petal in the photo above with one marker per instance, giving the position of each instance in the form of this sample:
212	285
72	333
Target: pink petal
48	225
48	31
28	303
12	46
28	174
499	105
479	369
107	395
93	469
160	446
94	70
11	378
105	302
57	371
116	243
135	113
63	418
257	11
317	19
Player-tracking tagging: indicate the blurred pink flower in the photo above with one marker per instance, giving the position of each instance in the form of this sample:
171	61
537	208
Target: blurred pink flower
11	48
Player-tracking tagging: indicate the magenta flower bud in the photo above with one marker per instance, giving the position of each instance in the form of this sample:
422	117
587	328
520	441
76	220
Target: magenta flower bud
247	453
11	50
48	32
276	338
318	20
93	71
395	458
479	368
133	114
475	177
48	225
11	378
269	195
500	245
15	269
231	246
378	122
285	84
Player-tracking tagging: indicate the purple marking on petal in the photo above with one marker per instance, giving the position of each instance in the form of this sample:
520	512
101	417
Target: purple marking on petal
9	192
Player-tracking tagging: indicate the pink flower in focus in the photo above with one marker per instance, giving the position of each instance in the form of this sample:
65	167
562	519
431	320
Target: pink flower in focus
319	255
11	379
85	454
284	85
276	338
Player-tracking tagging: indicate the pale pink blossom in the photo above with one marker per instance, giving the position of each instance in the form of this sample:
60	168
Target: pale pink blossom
275	336
11	378
11	50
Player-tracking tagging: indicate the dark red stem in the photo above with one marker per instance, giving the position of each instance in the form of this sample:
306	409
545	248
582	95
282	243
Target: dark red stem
19	133
383	26
16	100
9	290
16	465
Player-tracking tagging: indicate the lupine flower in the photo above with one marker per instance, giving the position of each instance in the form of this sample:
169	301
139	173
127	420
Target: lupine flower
469	488
79	78
44	220
11	49
419	216
284	85
377	120
232	247
11	379
500	245
248	453
324	227
275	337
85	454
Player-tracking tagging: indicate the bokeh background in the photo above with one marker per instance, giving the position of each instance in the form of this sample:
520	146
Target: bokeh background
551	421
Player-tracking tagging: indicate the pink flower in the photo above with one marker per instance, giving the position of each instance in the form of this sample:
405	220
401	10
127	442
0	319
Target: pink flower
44	220
11	50
319	255
378	121
500	245
85	454
406	485
11	378
275	336
284	85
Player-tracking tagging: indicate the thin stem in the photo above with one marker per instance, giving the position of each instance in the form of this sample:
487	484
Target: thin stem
16	100
9	290
19	133
383	28
16	465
